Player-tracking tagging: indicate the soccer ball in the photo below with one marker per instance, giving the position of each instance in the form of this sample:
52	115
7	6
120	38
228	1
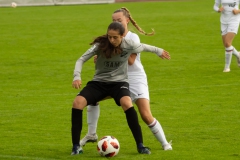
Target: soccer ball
108	146
14	5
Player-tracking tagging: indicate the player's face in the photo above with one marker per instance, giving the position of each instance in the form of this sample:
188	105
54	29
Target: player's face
114	37
119	17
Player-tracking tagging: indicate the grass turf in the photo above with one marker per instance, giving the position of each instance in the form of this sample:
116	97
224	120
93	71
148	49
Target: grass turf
196	103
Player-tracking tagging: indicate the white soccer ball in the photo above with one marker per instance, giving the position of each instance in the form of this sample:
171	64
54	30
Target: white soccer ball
14	5
108	146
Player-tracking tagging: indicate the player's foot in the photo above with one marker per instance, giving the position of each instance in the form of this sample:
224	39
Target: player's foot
144	150
238	59
168	146
226	70
77	150
88	138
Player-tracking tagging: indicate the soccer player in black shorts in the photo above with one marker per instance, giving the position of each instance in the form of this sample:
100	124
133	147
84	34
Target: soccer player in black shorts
110	79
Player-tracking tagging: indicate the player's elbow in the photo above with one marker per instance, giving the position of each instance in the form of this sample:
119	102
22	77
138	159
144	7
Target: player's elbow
130	63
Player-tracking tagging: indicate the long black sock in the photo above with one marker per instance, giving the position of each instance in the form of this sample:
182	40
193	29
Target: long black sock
133	124
76	125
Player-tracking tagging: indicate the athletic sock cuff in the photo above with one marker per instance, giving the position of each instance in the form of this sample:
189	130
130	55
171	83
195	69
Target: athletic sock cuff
229	48
129	110
153	123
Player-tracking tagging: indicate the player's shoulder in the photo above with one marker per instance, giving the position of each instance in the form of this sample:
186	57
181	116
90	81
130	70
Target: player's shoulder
127	43
133	36
94	46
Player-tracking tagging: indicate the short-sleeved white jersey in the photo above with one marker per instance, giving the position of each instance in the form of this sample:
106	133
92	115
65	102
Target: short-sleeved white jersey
136	70
227	15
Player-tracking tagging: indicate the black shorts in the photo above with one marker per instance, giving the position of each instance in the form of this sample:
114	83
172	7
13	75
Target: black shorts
96	91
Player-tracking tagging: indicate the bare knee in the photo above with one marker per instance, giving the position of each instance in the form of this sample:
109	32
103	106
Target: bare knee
227	44
79	102
227	39
144	110
126	102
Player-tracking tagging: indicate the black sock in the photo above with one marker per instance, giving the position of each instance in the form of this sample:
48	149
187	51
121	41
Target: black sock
76	125
133	124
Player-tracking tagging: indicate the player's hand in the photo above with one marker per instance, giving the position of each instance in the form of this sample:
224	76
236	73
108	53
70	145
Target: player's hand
165	55
235	11
77	84
220	9
95	59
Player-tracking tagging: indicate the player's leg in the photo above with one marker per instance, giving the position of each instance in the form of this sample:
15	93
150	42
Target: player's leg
237	55
227	40
144	110
234	30
154	125
84	98
228	34
93	112
140	95
122	98
132	120
78	105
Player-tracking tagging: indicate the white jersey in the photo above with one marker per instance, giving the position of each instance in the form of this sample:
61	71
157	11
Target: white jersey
137	77
136	70
227	16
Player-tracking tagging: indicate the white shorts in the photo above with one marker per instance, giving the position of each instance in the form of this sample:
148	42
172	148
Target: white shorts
138	90
232	27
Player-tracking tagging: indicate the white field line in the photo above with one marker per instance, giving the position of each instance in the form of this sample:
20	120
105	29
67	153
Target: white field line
24	157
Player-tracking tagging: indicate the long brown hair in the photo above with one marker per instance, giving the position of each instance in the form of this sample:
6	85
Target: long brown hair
127	14
106	48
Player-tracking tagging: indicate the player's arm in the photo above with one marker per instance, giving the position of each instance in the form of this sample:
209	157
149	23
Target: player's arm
139	47
95	59
216	6
78	66
132	58
236	11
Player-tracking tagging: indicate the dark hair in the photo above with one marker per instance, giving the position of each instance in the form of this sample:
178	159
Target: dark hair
106	48
117	26
127	14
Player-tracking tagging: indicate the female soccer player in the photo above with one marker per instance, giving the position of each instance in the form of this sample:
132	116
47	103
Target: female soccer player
230	19
110	79
138	87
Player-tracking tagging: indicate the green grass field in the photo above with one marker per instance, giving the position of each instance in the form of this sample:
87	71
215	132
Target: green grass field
196	103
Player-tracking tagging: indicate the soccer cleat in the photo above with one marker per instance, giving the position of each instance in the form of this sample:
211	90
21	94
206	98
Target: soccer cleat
77	150
168	146
88	138
226	70
144	150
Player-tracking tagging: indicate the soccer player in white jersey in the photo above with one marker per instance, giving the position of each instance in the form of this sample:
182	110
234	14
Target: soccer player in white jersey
110	79
138	88
230	19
